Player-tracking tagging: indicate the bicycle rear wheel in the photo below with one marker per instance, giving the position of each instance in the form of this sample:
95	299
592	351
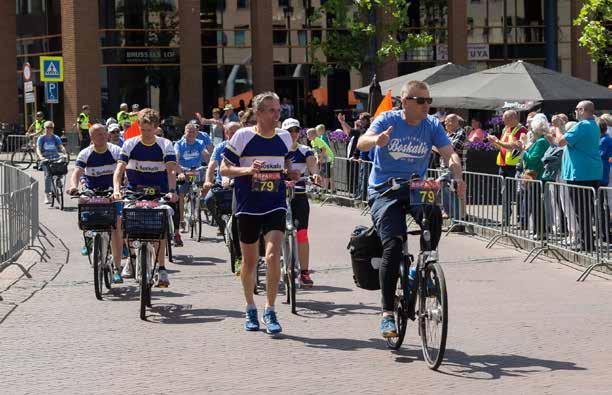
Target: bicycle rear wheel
400	310
98	266
287	256
22	159
145	284
433	315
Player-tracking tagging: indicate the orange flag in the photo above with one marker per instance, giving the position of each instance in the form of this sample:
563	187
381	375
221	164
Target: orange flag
385	105
132	131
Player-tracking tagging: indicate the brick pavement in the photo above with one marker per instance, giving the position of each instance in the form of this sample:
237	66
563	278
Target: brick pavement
514	327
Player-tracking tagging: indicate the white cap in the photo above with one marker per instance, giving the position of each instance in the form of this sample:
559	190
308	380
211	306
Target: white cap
290	123
113	126
110	121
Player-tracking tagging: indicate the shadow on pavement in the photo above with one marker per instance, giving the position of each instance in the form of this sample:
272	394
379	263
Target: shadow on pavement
324	289
132	293
341	344
196	261
493	367
184	314
317	309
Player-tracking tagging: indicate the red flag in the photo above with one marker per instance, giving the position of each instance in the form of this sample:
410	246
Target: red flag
385	105
132	131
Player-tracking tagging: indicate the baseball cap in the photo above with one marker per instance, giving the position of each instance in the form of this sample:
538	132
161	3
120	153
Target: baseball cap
290	123
114	127
110	121
228	107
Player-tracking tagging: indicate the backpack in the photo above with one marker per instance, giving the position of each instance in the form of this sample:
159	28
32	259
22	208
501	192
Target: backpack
366	251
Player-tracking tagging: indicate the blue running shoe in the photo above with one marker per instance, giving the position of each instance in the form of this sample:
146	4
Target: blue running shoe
271	323
117	279
126	252
252	323
387	327
84	251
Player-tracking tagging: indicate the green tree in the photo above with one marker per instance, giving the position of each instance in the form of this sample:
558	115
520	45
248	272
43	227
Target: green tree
350	35
595	19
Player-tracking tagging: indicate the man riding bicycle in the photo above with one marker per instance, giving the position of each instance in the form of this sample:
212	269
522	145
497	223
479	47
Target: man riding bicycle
49	146
149	162
257	158
302	158
402	142
190	154
95	166
213	175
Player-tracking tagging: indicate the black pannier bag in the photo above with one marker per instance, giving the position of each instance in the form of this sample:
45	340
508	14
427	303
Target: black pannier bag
366	251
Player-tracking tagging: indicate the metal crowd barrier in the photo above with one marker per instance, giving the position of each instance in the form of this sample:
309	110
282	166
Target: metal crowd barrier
19	224
550	217
73	146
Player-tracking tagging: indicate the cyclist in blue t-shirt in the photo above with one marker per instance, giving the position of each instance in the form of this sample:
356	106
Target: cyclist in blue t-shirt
94	169
257	159
213	175
402	142
149	161
191	154
49	146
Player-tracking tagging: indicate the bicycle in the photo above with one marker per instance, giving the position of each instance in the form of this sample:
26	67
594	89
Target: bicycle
290	258
146	222
58	168
97	219
424	283
24	157
192	211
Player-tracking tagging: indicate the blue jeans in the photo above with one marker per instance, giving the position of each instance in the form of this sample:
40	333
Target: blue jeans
48	180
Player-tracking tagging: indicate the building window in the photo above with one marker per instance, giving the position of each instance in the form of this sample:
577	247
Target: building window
239	38
279	36
242	4
284	3
302	38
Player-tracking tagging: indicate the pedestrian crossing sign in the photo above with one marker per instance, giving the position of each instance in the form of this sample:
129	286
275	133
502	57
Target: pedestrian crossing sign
51	69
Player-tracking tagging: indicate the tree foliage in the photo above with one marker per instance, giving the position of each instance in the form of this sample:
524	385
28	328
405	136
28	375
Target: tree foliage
351	33
595	19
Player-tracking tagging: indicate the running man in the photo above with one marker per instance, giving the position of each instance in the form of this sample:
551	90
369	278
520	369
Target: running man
95	166
257	158
149	162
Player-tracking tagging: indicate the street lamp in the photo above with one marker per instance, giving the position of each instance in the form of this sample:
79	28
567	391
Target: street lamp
288	11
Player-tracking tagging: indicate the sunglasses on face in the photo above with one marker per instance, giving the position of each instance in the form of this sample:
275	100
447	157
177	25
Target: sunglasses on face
420	100
49	127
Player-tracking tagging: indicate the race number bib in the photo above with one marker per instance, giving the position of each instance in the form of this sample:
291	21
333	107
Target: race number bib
266	182
424	192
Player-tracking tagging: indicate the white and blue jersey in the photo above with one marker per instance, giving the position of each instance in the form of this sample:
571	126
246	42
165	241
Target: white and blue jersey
98	166
298	158
146	164
263	192
49	146
189	155
217	156
409	148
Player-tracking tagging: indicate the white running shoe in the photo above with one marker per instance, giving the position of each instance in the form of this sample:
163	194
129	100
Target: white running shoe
127	271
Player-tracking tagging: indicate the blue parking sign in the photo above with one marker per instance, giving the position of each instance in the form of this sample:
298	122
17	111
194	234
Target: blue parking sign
52	92
51	68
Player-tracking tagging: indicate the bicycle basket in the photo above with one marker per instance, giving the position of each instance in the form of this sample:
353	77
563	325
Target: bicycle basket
145	224
58	168
98	217
366	252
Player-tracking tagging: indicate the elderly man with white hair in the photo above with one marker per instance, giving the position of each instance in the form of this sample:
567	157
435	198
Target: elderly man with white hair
581	166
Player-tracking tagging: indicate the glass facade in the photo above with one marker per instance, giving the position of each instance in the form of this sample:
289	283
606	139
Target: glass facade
139	41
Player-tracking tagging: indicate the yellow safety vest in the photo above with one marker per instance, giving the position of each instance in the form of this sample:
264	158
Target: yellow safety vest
506	138
122	117
39	126
134	118
84	121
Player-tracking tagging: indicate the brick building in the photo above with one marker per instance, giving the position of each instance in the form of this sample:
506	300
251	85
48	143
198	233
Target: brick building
183	56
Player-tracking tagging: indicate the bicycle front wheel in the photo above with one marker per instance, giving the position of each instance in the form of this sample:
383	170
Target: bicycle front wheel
59	190
99	262
145	284
22	159
433	315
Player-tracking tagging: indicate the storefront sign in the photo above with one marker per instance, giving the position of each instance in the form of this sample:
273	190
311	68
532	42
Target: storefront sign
474	52
154	56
